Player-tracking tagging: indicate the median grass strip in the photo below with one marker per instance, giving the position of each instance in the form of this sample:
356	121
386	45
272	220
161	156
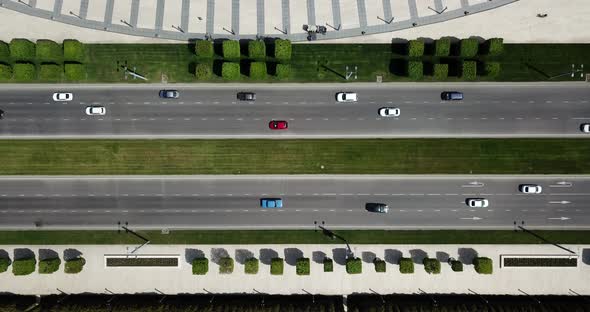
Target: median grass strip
41	237
400	156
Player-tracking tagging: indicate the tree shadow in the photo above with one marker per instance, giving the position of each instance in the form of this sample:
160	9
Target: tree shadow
442	256
267	254
318	256
292	254
4	254
191	254
243	254
339	255
217	254
538	71
418	255
398	67
466	255
586	256
23	253
72	253
393	255
368	256
399	46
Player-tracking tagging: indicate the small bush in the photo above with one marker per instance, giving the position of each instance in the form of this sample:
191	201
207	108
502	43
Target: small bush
283	50
456	266
48	266
257	50
276	266
431	265
204	48
483	265
406	266
469	70
4	263
469	47
4	51
48	51
379	265
302	266
200	266
22	50
203	71
442	47
24	71
75	71
73	50
258	70
50	72
441	71
328	265
283	71
251	266
492	69
226	265
354	266
495	46
230	71
5	72
74	266
23	266
415	70
415	48
231	49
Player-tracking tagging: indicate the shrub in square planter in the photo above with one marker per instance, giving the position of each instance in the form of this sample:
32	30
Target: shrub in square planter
200	266
231	49
415	48
24	71
5	72
469	70
483	265
258	70
251	266
74	266
442	47
283	71
457	266
226	265
230	71
73	50
495	46
283	50
302	266
257	50
406	266
492	69
22	50
4	263
415	70
276	266
203	71
48	266
469	47
4	51
50	72
23	266
354	266
441	71
204	48
379	265
48	51
328	265
75	71
431	265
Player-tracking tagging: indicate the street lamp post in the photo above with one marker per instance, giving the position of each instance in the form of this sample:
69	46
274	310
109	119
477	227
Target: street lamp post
521	227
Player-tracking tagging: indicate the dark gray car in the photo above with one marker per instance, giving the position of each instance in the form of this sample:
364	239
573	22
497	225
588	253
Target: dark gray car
377	207
451	96
246	96
169	94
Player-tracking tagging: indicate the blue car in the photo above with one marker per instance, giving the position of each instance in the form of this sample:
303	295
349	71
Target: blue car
271	203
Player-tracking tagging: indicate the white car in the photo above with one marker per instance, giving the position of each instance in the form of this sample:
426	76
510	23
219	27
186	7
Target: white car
63	97
389	112
530	188
95	110
346	97
585	128
477	202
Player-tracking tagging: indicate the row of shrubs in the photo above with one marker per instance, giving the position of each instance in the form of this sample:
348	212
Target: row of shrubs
233	70
256	50
467	48
26	266
26	71
467	70
482	265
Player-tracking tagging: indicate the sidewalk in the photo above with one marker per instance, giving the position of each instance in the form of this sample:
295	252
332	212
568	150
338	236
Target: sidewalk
95	277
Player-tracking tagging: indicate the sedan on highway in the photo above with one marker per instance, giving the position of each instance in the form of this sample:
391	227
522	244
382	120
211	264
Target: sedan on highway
1	114
477	202
169	94
585	128
346	97
451	96
278	125
95	110
246	96
271	203
377	207
63	96
530	188
389	112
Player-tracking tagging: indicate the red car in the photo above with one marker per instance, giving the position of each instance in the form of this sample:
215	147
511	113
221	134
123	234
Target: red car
278	125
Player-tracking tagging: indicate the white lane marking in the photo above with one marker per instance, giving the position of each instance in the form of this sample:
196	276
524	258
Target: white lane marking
380	194
345	194
581	118
433	194
362	194
451	194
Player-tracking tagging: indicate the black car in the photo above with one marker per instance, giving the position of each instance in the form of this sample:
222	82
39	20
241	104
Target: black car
451	96
1	114
169	94
377	207
246	96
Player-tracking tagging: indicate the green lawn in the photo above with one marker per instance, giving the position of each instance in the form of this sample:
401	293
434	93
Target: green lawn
290	237
400	156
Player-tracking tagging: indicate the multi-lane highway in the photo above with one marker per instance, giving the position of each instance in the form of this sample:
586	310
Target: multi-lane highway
230	201
489	110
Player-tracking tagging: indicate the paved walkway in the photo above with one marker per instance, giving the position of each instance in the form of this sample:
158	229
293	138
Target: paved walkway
96	278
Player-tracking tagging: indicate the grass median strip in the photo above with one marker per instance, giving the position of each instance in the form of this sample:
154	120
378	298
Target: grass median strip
291	237
379	156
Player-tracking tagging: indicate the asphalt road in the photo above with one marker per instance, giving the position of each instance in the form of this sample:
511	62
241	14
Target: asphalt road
208	111
233	202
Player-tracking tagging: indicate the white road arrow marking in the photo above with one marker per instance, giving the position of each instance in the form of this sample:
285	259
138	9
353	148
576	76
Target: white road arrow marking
563	202
562	184
472	218
474	184
560	218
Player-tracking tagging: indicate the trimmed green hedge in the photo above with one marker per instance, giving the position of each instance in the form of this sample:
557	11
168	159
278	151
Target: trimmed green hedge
200	266
22	50
415	48
73	50
431	265
283	50
4	263
441	71
469	47
5	72
469	70
50	72
204	48
456	266
492	69
231	49
442	47
74	266
4	51
406	266
24	71
415	70
203	71
258	70
251	266
483	265
48	51
328	265
48	266
23	266
380	266
283	71
354	266
495	46
276	266
302	266
226	265
257	50
75	71
230	71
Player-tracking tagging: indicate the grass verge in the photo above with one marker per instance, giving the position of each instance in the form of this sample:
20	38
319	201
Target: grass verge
291	237
400	156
